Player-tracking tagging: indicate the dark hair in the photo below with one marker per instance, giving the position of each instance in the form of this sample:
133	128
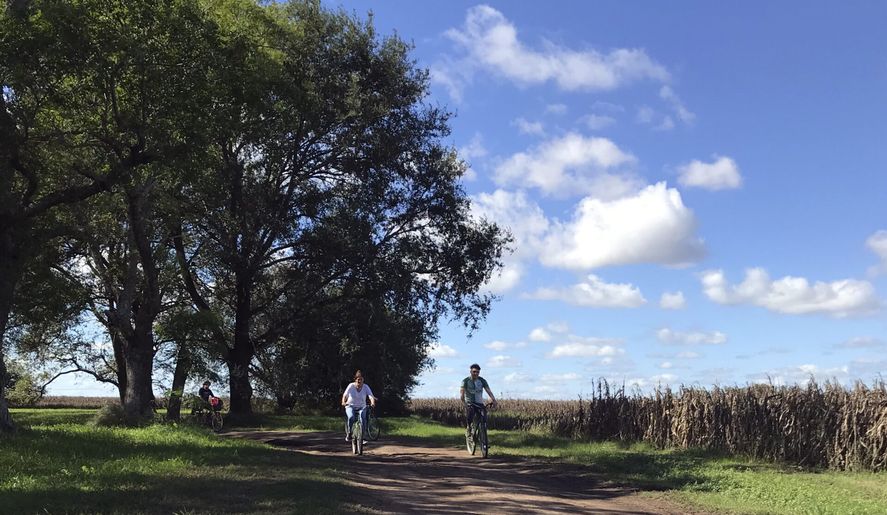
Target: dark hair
358	373
206	383
473	366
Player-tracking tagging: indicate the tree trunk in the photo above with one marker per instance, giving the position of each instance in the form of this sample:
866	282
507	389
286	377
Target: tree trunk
11	260
120	360
139	366
242	354
179	377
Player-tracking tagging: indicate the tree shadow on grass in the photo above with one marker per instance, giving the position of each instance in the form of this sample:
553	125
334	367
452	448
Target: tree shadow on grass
178	470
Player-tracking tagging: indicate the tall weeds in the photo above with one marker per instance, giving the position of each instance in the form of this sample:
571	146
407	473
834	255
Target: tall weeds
813	425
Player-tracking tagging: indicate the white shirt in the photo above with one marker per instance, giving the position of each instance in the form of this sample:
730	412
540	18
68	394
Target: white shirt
357	398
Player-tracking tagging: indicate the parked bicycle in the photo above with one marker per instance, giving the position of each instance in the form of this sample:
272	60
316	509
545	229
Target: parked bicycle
476	436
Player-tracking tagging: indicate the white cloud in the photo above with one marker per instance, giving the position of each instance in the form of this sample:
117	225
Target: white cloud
793	295
496	345
539	334
571	165
653	226
801	374
877	243
666	335
597	122
560	378
473	150
556	109
666	365
648	116
491	42
683	114
861	343
594	293
524	220
439	350
587	348
525	126
671	300
721	174
503	361
517	377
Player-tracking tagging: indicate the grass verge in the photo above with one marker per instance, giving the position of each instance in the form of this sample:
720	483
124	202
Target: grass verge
58	463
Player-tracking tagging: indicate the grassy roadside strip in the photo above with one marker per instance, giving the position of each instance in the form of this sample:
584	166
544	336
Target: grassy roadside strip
693	478
58	463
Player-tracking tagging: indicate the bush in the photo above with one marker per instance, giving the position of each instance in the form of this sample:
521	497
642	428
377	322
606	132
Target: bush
113	415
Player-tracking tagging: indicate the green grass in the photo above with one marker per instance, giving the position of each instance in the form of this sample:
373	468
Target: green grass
58	463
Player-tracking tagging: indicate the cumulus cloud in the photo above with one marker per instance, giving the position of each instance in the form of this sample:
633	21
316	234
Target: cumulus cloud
721	174
501	361
525	126
571	165
862	342
539	334
595	293
793	295
556	109
491	42
439	350
672	300
597	122
496	345
646	115
877	243
587	348
517	377
527	224
653	226
667	335
683	114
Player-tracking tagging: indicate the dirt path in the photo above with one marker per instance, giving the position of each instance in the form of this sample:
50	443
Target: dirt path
407	476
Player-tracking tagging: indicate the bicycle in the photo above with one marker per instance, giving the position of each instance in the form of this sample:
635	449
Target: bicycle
357	435
374	429
477	431
208	417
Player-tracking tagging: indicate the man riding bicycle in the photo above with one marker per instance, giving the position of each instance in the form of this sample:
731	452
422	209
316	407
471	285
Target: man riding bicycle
472	394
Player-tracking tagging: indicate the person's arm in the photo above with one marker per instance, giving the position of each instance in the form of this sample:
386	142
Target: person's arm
462	392
490	393
345	395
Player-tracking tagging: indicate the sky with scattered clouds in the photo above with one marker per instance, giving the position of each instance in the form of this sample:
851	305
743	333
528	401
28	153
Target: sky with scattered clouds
696	190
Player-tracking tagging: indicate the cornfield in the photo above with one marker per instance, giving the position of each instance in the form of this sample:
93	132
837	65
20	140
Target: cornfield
828	426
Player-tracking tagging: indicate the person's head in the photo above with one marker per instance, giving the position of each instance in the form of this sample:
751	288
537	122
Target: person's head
358	377
474	369
206	384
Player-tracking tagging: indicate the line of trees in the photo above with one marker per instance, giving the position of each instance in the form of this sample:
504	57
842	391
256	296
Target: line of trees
223	181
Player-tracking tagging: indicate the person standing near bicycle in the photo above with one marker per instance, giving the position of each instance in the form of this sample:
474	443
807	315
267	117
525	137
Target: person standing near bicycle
472	394
213	403
354	399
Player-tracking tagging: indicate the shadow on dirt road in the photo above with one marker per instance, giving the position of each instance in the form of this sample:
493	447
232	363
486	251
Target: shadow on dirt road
406	475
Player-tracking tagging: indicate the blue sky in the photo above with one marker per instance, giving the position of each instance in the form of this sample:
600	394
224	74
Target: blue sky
696	189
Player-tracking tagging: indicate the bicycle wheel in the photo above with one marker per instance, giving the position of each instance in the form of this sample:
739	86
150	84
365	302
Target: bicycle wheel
373	428
482	440
471	438
357	437
216	421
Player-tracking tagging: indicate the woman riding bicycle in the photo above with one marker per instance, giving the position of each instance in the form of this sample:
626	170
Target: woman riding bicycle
354	399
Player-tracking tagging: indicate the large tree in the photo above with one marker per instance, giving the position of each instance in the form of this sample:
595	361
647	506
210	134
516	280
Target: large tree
334	178
91	93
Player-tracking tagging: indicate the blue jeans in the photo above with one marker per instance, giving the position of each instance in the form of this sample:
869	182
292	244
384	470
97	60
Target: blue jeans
351	414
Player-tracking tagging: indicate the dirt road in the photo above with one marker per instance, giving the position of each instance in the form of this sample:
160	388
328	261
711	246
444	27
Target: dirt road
405	475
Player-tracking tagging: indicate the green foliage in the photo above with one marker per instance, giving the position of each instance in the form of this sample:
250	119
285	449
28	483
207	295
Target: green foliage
22	388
